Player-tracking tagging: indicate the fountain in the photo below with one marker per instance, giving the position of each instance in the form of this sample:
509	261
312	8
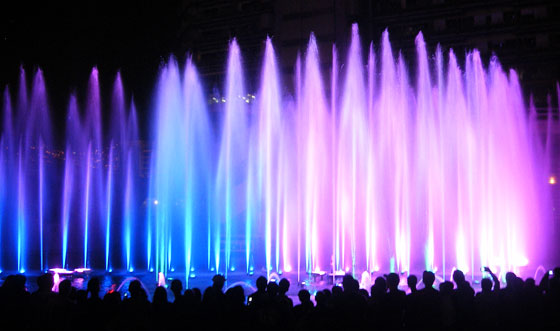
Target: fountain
375	171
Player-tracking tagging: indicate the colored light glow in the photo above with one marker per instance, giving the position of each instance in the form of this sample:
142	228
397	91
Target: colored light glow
82	270
419	172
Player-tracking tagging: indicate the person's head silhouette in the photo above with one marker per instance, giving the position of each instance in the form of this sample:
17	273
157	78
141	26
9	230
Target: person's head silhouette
45	282
218	282
160	296
510	279
65	287
272	289
458	277
428	278
393	281
93	287
135	289
412	281
283	286
304	297
176	287
446	288
261	283
486	285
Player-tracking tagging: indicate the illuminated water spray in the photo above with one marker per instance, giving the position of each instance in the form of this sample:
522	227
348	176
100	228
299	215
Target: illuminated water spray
372	164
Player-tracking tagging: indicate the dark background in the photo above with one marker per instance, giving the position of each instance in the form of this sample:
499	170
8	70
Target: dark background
66	39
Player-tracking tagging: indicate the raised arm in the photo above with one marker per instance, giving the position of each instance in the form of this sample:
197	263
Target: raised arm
494	279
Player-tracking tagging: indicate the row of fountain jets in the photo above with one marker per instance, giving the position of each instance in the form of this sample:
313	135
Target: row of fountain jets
357	168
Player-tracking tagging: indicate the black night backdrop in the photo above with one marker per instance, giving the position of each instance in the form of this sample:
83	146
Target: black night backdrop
319	154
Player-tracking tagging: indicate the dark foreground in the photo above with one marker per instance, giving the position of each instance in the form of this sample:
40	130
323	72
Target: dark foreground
520	305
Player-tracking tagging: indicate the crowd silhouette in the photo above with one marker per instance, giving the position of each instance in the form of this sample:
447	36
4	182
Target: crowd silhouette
520	305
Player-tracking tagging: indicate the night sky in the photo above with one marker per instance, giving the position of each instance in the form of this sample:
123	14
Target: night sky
66	40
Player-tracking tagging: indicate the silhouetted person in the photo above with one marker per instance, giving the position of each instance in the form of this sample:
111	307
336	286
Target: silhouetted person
377	308
412	302
283	288
412	281
161	309
94	305
429	303
448	314
236	312
14	302
463	297
259	299
532	305
521	305
112	309
64	307
395	303
42	302
93	288
177	290
486	302
379	289
305	306
272	290
159	301
136	308
354	306
495	279
218	282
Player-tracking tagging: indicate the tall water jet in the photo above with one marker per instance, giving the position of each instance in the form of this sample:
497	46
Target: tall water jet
92	197
267	138
180	182
313	158
6	170
371	171
71	162
116	167
427	155
41	141
232	161
169	139
352	140
21	134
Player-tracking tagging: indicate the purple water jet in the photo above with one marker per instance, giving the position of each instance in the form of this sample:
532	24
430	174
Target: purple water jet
370	171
